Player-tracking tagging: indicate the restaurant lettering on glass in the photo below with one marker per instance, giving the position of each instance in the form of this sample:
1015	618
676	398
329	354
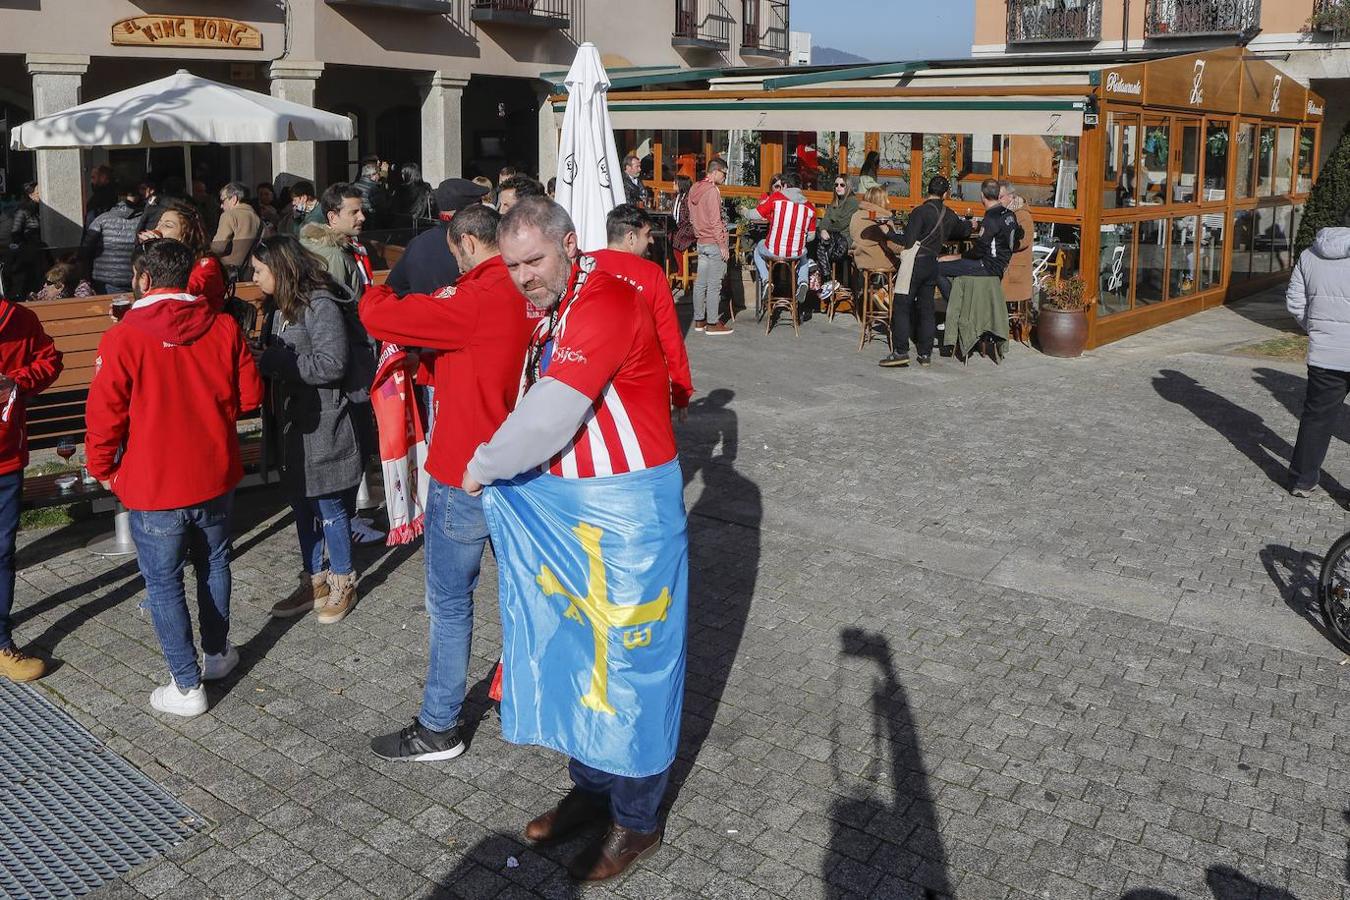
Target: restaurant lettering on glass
1169	183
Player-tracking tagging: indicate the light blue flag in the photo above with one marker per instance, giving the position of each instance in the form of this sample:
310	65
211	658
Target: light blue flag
594	585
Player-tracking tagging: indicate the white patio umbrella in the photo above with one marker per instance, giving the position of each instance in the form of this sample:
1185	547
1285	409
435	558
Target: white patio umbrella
589	183
180	109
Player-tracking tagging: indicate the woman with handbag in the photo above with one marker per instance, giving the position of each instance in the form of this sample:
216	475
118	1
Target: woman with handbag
930	226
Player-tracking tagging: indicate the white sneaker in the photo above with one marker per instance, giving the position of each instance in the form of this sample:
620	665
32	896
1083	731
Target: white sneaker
217	665
169	699
363	533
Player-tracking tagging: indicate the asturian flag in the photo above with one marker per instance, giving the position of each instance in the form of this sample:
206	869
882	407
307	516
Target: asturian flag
594	587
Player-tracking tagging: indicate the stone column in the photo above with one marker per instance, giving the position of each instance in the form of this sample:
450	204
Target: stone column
548	140
442	125
294	80
56	86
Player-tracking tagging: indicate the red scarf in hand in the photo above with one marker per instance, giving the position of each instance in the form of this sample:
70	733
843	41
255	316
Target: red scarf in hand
403	446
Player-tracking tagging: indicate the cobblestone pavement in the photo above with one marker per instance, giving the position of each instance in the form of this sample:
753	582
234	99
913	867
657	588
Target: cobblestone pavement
1042	629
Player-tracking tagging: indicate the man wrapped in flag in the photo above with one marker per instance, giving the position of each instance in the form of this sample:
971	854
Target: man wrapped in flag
592	551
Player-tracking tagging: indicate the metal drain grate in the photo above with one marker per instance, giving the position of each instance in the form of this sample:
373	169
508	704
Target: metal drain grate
73	814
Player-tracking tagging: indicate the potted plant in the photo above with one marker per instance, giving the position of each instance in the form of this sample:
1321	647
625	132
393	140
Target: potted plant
1062	326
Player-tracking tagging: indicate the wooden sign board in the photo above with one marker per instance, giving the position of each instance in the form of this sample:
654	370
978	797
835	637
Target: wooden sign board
186	31
1124	84
1314	107
1204	82
1270	93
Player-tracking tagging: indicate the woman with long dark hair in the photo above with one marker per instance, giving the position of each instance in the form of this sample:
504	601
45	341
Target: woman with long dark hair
307	360
179	221
867	175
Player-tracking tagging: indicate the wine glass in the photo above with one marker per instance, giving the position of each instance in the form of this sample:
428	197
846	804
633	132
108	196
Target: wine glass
66	448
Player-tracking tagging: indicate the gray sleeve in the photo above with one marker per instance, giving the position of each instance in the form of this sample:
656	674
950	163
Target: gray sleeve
539	427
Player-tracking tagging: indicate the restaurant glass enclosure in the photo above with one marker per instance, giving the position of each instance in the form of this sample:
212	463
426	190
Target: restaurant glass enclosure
1168	183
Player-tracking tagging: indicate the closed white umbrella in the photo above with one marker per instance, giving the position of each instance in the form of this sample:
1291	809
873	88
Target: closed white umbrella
589	183
180	109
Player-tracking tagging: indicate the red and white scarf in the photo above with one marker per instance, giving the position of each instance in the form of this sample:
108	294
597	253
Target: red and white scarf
403	446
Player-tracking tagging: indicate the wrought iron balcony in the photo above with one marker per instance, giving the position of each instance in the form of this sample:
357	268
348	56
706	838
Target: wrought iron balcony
1201	18
522	13
702	25
1332	18
764	28
1060	21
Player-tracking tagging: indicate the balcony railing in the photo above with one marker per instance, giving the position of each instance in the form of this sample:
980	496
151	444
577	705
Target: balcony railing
1332	18
764	28
523	13
702	24
1045	21
1200	18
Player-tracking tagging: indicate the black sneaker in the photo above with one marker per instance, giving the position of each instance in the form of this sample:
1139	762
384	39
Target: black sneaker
925	360
894	361
418	744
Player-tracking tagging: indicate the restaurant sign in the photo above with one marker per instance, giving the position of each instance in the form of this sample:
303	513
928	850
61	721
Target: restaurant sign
186	31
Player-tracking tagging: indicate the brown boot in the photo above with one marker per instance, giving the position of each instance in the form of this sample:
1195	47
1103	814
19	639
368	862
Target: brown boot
614	853
19	666
309	595
573	813
341	599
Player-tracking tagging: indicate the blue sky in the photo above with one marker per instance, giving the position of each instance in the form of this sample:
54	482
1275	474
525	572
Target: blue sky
889	29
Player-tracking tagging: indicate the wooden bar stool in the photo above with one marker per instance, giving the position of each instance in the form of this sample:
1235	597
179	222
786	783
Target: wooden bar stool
878	290
843	292
775	301
684	272
1019	321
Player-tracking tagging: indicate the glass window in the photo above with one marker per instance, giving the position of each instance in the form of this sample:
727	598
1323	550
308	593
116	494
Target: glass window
939	155
1246	143
1296	225
1190	163
1181	260
1284	161
1244	238
1043	168
814	156
895	162
1263	243
1305	160
1282	240
1116	268
1122	150
1265	163
742	153
1151	259
1216	161
681	154
1211	250
1154	161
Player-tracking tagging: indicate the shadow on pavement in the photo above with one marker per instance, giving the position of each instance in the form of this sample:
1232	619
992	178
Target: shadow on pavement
907	818
1295	574
1290	390
1225	883
1245	430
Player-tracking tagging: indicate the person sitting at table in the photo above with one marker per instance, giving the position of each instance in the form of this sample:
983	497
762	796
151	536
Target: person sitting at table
791	218
682	236
834	236
993	248
867	175
867	228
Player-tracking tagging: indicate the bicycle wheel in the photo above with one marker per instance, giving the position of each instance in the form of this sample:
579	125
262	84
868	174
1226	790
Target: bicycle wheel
1333	590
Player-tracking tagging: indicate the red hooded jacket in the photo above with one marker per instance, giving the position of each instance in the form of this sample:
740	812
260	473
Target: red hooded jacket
208	280
28	356
654	290
170	381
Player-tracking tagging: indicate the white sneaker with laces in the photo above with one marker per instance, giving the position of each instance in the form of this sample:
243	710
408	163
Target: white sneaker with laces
169	699
217	665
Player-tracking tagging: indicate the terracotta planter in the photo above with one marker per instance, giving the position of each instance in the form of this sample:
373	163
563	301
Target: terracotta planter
1062	332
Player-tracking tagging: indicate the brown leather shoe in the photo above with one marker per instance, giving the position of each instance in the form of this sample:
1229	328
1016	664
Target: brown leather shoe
573	813
614	853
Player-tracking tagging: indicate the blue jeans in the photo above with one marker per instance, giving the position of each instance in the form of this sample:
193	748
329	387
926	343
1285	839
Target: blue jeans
455	533
166	540
11	489
762	256
326	521
633	802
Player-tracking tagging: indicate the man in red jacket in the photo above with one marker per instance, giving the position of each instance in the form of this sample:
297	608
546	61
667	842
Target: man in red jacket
481	328
182	374
629	231
29	363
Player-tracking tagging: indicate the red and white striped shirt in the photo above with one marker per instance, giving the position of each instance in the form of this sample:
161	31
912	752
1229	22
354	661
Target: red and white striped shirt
789	224
605	346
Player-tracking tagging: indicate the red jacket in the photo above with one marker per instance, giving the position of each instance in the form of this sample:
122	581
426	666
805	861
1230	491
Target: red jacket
170	382
208	280
28	356
482	327
654	290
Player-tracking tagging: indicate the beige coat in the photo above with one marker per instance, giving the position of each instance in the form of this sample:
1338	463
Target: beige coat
870	248
1017	281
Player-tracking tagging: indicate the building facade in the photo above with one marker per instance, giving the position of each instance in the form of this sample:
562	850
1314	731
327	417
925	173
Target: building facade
458	86
1308	39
